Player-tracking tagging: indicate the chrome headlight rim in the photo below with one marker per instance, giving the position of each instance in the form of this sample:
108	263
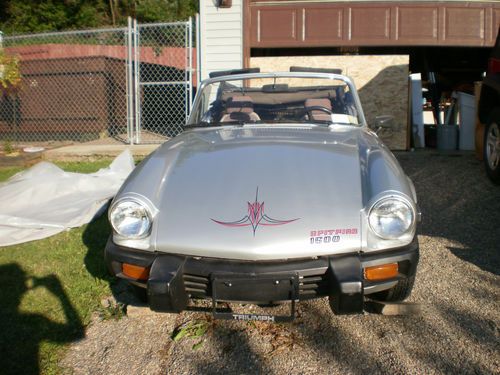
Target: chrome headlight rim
147	211
401	199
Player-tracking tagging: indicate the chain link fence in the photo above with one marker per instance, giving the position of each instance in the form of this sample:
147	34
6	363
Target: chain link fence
164	79
129	85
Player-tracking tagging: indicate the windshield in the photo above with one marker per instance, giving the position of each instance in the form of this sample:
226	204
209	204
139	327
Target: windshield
276	100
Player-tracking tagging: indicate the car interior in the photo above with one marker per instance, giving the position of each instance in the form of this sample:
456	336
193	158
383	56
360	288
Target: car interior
281	104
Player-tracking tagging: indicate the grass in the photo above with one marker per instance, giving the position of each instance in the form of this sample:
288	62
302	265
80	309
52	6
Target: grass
49	290
7	172
80	167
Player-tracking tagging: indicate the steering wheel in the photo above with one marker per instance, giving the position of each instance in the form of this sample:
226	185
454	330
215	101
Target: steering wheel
320	108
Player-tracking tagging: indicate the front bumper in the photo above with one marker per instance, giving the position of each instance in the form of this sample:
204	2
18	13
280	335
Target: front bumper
174	279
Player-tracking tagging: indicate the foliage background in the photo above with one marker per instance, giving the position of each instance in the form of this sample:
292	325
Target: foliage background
24	16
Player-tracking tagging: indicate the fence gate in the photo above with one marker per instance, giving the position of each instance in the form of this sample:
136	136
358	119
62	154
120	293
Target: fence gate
129	85
163	71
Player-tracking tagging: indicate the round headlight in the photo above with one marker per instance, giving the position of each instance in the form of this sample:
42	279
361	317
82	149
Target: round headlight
390	218
130	219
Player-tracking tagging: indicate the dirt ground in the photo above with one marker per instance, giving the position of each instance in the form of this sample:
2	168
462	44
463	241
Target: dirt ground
457	285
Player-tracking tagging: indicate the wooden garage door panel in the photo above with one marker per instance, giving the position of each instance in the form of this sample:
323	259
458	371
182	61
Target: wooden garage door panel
322	23
277	25
327	23
464	24
417	23
496	23
370	23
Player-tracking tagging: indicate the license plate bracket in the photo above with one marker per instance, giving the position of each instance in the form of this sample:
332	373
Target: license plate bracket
254	289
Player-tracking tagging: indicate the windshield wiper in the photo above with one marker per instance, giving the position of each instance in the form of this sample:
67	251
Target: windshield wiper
201	124
204	124
233	122
319	122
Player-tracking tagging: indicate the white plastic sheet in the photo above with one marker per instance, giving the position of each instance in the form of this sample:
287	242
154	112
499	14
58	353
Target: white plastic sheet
45	200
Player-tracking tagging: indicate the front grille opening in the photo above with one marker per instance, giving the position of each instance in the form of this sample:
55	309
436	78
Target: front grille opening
310	286
196	286
313	286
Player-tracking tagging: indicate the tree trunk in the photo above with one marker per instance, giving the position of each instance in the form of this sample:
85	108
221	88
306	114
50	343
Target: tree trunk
113	14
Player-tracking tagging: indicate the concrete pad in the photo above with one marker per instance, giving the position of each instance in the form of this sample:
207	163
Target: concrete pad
89	150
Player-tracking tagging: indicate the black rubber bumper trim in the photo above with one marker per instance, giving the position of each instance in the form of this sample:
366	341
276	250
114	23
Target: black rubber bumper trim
407	258
115	255
345	278
206	266
339	276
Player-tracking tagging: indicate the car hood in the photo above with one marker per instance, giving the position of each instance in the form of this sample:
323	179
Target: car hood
256	193
262	193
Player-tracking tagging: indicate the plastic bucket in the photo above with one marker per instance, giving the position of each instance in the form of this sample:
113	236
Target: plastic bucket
467	113
447	136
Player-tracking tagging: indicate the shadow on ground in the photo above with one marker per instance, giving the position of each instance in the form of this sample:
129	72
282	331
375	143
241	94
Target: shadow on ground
458	203
457	331
95	237
22	333
457	284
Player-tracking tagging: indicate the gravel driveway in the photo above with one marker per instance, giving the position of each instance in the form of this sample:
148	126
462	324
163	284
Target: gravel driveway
458	285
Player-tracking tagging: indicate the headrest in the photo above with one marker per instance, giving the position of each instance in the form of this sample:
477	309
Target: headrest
318	103
239	104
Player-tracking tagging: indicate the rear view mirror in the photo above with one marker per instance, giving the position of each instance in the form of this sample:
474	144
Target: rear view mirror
280	87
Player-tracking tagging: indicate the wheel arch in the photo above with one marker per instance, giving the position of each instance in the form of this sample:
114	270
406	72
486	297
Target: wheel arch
490	98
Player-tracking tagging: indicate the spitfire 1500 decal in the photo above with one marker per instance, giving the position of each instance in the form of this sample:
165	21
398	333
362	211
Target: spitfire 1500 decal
330	235
255	217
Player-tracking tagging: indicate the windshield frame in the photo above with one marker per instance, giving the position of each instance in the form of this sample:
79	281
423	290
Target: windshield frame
239	77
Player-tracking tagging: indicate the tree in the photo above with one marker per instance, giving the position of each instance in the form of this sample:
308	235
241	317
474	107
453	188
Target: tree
164	10
21	16
10	76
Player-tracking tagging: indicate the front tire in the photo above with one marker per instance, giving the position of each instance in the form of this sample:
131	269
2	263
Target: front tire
397	293
492	147
140	293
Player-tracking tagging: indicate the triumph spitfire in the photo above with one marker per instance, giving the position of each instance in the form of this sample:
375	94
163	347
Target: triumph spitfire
277	191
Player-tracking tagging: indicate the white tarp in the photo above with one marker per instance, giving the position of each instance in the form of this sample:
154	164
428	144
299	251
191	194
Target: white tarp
45	200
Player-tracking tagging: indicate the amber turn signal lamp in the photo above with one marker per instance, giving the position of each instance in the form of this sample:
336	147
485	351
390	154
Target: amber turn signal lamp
135	272
382	272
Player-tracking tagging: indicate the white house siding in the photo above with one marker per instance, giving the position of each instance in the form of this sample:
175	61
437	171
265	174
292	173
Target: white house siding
221	37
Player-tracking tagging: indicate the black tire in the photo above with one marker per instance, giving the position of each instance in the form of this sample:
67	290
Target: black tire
397	293
140	293
491	146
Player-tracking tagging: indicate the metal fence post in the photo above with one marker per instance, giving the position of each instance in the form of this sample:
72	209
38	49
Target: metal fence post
137	81
186	71
129	83
1	46
198	49
190	67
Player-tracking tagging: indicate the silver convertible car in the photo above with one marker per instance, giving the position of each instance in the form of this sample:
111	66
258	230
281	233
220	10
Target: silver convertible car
277	191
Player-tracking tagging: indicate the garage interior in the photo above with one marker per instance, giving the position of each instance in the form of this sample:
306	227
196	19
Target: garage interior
455	69
448	43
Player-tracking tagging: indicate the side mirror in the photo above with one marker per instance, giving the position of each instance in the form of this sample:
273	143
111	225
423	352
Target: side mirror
385	122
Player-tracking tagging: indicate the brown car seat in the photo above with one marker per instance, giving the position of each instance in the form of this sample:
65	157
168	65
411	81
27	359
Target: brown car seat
318	114
240	108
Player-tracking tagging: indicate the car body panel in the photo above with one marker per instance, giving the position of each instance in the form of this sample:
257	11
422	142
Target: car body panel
204	180
490	88
214	182
266	196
